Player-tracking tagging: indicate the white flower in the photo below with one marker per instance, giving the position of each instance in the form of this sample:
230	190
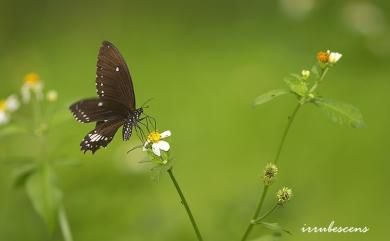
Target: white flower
157	144
4	118
32	83
12	103
334	57
52	95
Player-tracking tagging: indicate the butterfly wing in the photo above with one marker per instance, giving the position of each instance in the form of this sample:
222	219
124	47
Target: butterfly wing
91	110
101	136
113	80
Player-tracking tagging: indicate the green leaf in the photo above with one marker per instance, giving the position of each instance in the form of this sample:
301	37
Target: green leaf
44	195
274	227
23	173
269	96
340	112
296	84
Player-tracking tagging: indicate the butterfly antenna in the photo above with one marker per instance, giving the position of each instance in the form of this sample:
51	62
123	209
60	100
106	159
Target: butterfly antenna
147	101
134	148
152	121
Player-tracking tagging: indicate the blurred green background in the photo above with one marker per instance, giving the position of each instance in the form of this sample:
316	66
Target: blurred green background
204	62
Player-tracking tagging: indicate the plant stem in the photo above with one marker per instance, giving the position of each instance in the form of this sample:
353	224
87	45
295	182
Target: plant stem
64	224
266	214
314	87
184	202
286	130
279	150
256	214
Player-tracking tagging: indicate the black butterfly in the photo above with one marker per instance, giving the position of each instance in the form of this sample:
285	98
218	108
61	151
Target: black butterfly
116	103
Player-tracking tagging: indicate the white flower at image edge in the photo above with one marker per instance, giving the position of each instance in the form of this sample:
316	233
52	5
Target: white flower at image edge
4	118
158	145
11	104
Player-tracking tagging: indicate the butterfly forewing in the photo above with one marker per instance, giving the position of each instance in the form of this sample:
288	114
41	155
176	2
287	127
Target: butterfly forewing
113	80
91	110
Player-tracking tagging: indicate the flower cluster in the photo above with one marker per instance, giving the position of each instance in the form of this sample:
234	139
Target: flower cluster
32	85
328	57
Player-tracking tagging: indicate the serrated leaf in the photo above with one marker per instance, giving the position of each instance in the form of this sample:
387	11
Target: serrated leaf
340	112
296	85
274	227
44	195
269	96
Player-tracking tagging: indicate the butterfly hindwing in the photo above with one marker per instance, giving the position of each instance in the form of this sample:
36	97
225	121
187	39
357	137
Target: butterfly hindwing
101	136
113	80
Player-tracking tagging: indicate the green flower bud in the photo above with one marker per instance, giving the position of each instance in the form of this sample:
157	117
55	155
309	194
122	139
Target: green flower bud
270	172
283	195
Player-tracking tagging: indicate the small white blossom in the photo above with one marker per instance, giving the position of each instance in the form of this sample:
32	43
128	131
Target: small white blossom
32	83
305	74
4	118
12	103
157	144
52	95
334	57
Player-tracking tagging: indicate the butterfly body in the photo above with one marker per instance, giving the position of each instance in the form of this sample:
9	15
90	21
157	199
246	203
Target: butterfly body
132	119
115	105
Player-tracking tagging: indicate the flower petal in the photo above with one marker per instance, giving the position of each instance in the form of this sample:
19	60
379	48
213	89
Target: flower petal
12	103
165	134
334	57
156	149
145	145
3	117
163	145
26	95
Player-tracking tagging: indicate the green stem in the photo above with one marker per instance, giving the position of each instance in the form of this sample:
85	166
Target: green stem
279	150
286	130
314	87
64	224
184	202
266	214
256	214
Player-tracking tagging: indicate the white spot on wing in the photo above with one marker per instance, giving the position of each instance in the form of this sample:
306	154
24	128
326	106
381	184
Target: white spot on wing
117	69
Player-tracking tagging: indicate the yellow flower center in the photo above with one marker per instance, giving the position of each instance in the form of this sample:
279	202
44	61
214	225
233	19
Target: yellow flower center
154	136
3	105
31	79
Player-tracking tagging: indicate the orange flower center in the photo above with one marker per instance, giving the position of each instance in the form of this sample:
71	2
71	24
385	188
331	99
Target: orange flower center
323	57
